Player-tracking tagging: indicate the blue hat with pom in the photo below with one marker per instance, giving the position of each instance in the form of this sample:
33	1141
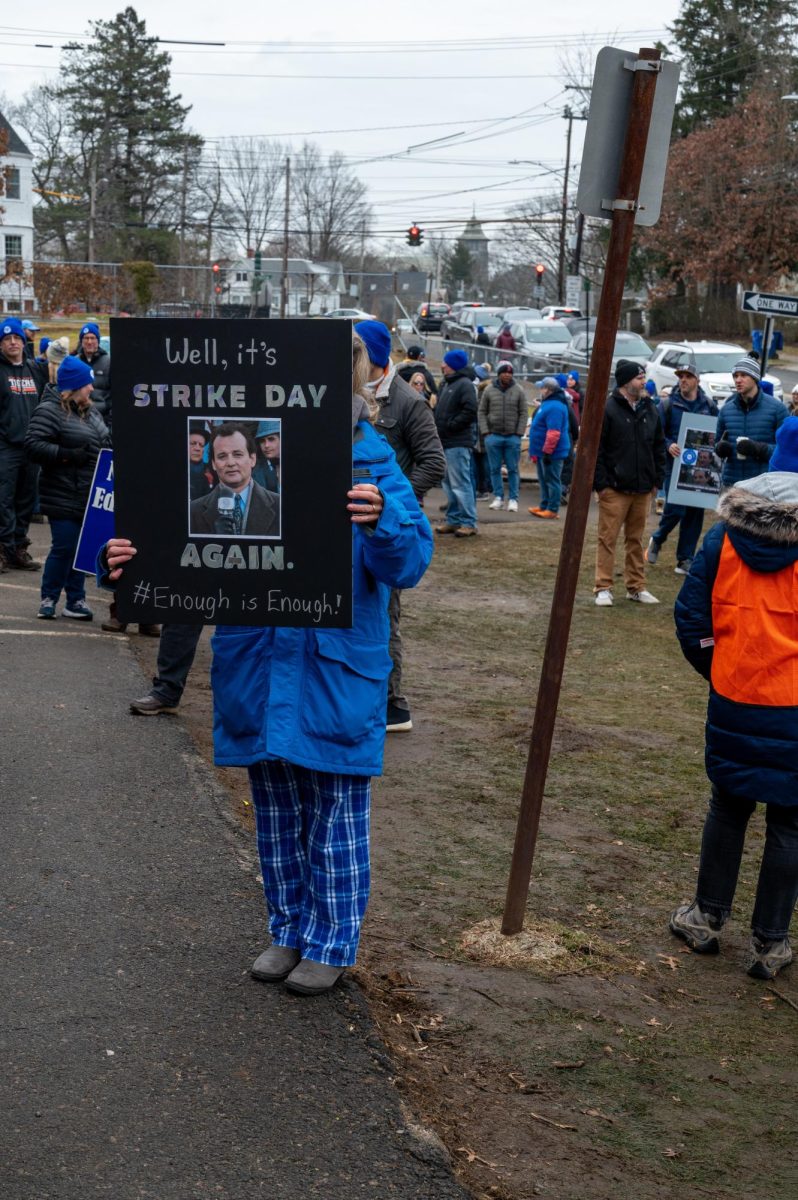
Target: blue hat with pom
12	325
90	327
785	456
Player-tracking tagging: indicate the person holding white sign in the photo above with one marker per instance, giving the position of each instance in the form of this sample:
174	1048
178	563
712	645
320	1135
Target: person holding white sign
687	397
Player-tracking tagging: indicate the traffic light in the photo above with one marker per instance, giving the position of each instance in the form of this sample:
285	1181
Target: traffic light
540	271
216	268
414	236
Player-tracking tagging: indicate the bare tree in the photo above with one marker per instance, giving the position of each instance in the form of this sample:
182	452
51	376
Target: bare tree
251	173
330	212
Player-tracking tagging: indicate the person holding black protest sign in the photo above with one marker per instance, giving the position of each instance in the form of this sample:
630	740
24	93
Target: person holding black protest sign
64	437
303	709
237	505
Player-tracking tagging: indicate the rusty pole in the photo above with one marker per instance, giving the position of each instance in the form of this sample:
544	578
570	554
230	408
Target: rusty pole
620	244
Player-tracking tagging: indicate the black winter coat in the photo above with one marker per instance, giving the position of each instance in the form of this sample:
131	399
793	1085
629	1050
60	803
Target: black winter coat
456	410
66	445
101	396
406	422
631	455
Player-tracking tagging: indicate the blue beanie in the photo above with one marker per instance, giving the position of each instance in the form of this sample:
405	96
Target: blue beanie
266	429
90	327
767	387
651	387
73	374
43	344
377	340
561	379
574	375
456	359
12	325
785	456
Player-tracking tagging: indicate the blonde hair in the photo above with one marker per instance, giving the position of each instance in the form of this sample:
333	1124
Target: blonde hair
361	369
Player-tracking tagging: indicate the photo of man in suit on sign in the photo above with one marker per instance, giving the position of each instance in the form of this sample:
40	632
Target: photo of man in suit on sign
237	506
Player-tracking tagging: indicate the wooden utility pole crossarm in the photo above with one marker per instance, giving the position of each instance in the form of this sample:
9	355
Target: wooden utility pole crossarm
620	243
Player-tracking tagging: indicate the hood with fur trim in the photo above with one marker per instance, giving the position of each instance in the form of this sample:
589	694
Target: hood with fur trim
761	519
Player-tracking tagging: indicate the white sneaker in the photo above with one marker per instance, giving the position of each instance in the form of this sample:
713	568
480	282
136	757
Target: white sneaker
496	503
512	506
604	598
643	597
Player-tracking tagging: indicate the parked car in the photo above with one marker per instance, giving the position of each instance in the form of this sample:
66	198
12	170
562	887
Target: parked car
713	361
429	317
404	327
351	314
453	316
538	342
521	312
627	345
557	312
491	320
580	324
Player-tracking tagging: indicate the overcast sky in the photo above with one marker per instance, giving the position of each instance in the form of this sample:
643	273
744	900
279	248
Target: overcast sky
489	76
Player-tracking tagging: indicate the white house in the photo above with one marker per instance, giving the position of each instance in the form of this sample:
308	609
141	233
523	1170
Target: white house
16	225
313	288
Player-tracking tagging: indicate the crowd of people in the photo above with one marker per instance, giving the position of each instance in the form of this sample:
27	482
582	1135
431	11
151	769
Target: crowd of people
330	697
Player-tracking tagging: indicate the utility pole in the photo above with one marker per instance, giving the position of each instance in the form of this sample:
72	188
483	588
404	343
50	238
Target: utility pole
284	292
92	205
564	217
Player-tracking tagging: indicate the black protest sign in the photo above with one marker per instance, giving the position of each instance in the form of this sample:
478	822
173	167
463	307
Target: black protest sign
233	458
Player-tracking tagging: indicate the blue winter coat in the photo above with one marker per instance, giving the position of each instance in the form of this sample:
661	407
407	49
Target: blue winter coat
751	749
552	414
317	697
759	422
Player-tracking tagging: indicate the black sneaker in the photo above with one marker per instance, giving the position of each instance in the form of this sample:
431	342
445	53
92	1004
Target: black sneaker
150	705
397	720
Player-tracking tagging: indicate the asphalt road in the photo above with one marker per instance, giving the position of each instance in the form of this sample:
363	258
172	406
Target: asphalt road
139	1059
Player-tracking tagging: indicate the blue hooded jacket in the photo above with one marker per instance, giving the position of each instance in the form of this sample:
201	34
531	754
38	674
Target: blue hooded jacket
316	697
751	749
552	414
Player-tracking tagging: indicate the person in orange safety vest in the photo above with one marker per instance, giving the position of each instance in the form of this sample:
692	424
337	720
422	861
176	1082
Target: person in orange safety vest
737	622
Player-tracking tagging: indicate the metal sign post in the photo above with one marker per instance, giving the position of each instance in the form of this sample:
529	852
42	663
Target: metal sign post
771	305
623	207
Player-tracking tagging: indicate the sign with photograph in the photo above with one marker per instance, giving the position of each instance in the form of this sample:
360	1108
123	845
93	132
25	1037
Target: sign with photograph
98	519
695	477
233	458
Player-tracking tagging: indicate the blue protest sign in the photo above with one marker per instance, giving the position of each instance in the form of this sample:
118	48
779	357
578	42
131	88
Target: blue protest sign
98	519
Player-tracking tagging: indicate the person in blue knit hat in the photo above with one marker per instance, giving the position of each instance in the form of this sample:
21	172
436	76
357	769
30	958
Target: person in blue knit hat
456	420
21	382
406	422
90	351
64	438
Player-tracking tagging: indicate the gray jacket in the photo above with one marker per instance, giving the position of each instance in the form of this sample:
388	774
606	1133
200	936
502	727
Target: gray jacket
503	411
406	422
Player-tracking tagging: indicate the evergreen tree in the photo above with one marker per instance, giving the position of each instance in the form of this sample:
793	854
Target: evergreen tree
125	148
725	48
458	270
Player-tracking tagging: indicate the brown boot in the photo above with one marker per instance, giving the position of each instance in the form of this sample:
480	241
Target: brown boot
19	559
113	624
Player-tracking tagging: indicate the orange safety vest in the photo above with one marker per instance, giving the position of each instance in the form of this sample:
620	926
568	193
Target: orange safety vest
755	625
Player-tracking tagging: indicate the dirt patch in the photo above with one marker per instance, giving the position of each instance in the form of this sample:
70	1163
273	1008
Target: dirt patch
621	1059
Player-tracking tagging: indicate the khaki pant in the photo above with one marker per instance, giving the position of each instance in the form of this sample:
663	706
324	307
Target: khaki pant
618	509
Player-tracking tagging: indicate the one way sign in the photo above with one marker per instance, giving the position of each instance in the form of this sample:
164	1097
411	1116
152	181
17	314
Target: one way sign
770	305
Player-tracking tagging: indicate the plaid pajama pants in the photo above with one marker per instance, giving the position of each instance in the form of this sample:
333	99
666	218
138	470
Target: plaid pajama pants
313	843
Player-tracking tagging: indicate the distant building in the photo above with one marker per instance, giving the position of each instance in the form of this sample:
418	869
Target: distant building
16	226
476	241
313	288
